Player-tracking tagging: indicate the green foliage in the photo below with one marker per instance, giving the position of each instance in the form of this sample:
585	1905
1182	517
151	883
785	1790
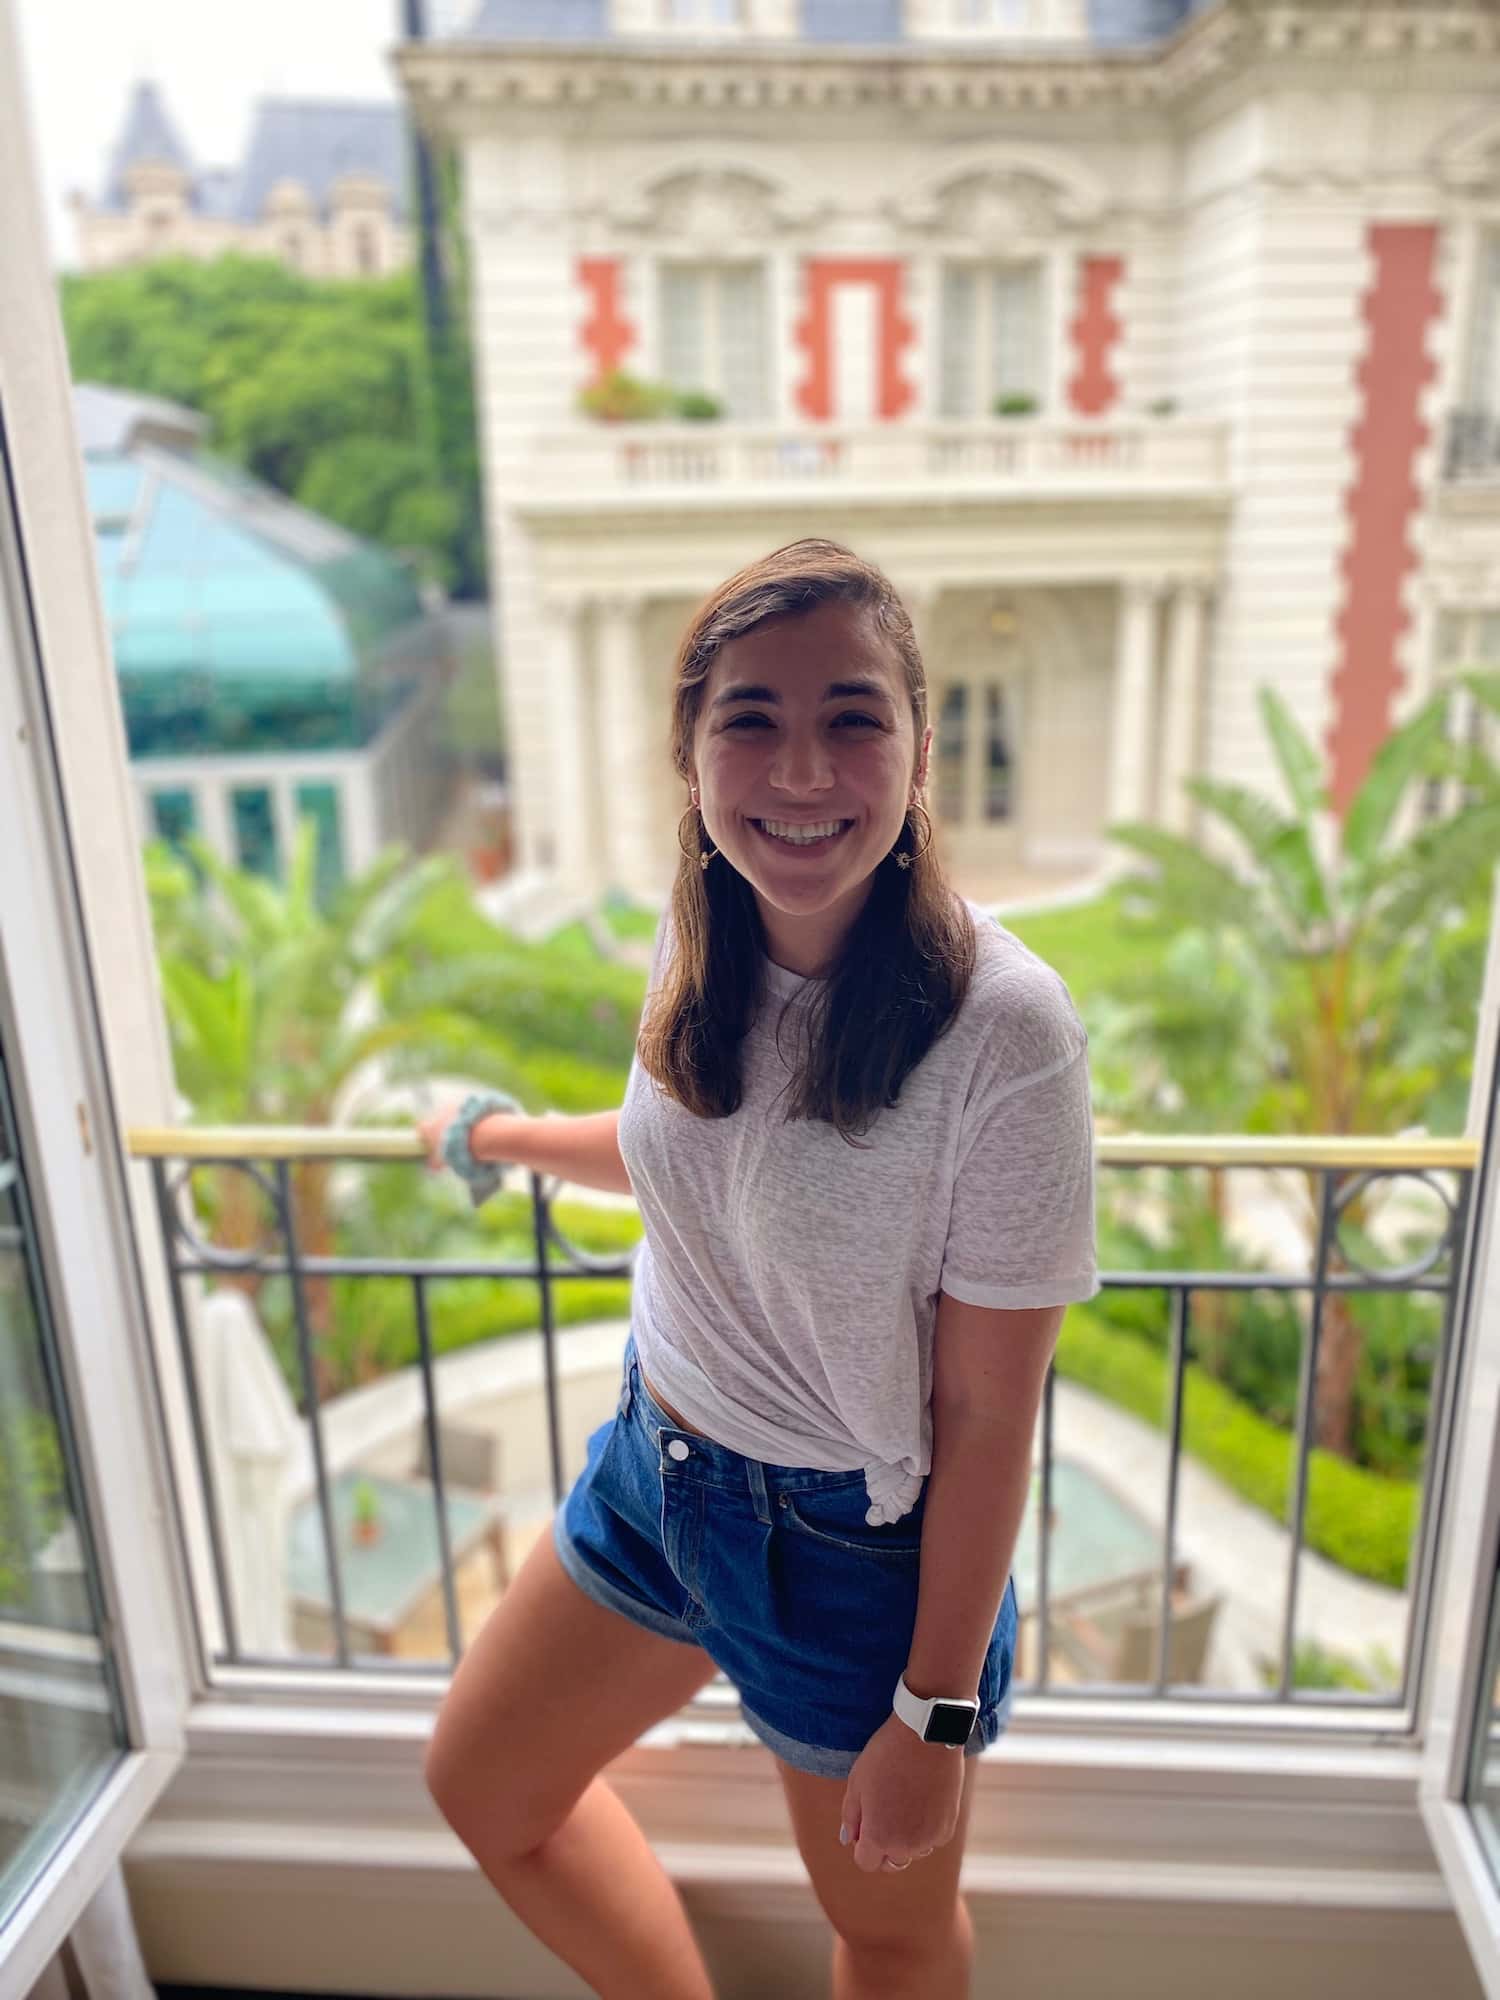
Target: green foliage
696	407
621	398
324	389
1359	1520
1015	404
372	1327
33	1490
1316	1666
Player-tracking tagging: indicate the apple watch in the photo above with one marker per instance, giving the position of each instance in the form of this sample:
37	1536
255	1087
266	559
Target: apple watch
944	1719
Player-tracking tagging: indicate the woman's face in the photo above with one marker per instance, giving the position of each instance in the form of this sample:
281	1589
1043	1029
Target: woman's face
778	749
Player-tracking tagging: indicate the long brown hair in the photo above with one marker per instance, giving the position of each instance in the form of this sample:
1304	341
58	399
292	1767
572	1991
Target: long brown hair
907	961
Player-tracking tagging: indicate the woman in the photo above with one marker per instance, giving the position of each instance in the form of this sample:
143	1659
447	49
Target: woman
858	1129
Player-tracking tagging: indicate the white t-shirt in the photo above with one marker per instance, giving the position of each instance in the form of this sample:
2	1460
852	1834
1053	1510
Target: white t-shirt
786	1291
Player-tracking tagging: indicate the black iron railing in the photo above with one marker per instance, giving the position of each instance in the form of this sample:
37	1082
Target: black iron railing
1342	1170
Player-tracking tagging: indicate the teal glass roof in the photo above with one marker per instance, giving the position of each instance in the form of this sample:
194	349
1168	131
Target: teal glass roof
241	621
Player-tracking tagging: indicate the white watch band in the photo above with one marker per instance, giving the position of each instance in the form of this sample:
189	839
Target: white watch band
916	1712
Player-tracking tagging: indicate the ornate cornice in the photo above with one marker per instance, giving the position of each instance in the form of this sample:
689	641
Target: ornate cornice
449	82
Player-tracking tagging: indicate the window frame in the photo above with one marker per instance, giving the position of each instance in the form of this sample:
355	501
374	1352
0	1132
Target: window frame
714	268
53	724
983	266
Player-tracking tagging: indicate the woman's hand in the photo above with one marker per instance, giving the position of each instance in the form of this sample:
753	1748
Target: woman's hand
434	1129
902	1798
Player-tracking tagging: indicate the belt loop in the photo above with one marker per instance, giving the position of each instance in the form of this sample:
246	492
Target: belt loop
755	1473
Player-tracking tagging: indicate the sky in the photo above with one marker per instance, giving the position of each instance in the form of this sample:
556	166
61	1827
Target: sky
212	60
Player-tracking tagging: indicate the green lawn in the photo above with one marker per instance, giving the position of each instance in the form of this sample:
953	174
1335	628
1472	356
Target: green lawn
1092	946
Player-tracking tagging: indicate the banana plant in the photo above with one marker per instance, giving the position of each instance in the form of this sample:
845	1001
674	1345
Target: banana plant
1326	970
283	1012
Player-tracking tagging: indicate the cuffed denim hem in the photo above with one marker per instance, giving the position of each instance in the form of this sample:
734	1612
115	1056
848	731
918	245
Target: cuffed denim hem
594	1586
819	1762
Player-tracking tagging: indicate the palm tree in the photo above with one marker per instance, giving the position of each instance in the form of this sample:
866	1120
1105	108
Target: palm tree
1325	979
283	1012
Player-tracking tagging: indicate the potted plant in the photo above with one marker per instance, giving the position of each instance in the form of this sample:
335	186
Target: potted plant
1015	403
1164	406
696	406
618	398
366	1514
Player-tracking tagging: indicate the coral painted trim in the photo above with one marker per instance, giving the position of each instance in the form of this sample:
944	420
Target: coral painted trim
895	393
606	335
1398	309
1095	331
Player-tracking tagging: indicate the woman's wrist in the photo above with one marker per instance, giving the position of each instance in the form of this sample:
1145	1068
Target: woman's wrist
491	1138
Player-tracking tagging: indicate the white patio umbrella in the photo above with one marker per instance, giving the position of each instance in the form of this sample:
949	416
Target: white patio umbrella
254	1443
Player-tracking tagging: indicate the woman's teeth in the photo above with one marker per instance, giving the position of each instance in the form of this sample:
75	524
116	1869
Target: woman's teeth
802	836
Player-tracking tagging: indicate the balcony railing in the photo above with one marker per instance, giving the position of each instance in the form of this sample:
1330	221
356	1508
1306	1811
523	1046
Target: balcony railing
598	461
1471	446
1339	1169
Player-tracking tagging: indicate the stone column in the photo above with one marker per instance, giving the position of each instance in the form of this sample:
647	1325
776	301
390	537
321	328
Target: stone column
628	773
1130	721
1179	742
571	807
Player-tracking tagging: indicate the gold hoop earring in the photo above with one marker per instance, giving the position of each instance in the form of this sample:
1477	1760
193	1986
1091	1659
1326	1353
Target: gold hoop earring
693	853
904	860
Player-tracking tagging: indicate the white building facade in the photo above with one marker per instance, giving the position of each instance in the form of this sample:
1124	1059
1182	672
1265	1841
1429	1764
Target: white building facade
1152	349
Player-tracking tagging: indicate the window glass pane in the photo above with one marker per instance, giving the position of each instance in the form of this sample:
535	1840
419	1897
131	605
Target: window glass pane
958	394
320	803
742	340
60	1725
998	774
173	814
951	732
1014	369
255	830
683	347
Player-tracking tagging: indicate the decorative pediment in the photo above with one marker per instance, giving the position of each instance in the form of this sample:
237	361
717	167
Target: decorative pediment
1468	160
1014	195
714	202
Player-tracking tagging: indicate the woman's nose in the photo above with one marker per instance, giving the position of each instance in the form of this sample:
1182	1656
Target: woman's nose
800	767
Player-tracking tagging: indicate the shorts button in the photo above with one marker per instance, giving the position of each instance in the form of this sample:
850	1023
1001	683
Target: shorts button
677	1449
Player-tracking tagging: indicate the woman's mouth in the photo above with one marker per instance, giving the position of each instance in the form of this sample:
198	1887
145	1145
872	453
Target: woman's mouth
815	837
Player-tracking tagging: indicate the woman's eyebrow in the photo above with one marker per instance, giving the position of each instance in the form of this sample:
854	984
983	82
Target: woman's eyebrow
863	690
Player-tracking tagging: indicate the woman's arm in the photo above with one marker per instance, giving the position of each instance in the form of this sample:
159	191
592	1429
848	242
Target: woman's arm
989	1369
584	1150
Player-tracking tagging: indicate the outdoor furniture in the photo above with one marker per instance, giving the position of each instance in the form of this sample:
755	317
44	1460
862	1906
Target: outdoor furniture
1118	1643
385	1581
470	1458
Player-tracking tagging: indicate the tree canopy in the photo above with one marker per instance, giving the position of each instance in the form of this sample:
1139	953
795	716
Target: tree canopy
324	389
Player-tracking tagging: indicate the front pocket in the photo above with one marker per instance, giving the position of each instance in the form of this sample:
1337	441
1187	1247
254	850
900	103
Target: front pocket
835	1516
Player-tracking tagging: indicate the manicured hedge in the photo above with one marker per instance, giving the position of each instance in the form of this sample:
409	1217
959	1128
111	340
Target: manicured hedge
1361	1521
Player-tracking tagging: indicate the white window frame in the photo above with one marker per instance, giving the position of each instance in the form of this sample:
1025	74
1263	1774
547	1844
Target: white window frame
50	612
1461	1608
1039	269
713	335
703	17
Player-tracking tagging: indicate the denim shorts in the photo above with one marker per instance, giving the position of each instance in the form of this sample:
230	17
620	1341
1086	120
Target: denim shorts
772	1570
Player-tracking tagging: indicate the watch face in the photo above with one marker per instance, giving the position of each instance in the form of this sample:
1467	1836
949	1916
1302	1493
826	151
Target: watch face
950	1722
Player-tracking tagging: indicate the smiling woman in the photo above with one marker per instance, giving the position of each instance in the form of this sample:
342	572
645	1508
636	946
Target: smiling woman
800	706
858	1129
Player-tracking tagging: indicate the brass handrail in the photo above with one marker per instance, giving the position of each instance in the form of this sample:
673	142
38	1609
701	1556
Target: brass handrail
1112	1149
